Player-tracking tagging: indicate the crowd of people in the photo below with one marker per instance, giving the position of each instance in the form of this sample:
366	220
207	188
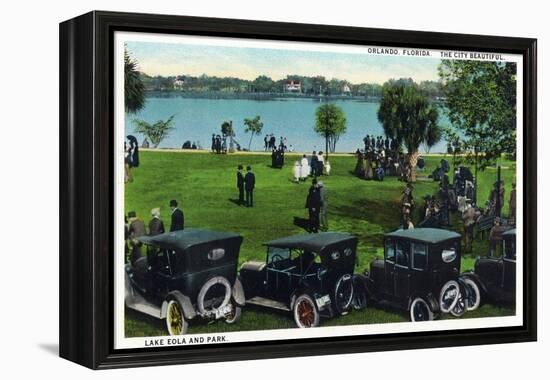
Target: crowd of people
381	157
134	228
310	166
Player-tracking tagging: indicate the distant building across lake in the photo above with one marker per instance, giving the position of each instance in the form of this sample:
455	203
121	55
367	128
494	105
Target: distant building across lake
293	86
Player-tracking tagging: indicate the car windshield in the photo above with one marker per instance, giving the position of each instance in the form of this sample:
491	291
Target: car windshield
390	251
276	254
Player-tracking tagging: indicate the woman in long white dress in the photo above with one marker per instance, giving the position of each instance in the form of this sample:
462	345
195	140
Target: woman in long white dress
297	171
304	169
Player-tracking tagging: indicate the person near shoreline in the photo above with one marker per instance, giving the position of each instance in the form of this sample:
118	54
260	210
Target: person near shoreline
313	163
240	184
249	184
156	226
313	205
177	222
512	206
304	169
296	171
320	164
327	167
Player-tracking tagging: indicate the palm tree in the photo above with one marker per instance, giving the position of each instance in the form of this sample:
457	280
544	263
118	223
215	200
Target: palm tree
330	122
134	90
254	126
155	132
408	116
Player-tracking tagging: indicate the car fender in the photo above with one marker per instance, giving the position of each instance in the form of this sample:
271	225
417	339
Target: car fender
237	293
185	302
474	277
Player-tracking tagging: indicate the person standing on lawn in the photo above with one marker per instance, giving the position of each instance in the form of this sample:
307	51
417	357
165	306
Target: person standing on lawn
313	205
177	217
323	217
512	206
240	183
136	229
249	184
156	226
313	164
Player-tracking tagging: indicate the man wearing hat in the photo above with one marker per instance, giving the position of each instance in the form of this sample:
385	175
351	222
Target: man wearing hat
156	226
249	184
240	183
177	217
323	217
313	205
136	229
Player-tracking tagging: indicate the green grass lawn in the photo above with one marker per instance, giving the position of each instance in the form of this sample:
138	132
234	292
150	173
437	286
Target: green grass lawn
204	185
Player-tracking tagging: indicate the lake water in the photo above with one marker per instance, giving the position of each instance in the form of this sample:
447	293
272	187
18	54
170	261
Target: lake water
196	120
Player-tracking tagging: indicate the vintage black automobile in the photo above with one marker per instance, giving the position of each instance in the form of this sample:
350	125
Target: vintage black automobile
420	273
308	274
496	276
186	274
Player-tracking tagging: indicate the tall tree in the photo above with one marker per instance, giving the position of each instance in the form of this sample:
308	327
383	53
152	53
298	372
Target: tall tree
330	122
481	102
407	115
254	126
154	132
134	90
227	131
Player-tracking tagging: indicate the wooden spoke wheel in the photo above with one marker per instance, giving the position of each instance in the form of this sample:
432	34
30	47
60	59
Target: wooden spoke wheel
305	312
175	320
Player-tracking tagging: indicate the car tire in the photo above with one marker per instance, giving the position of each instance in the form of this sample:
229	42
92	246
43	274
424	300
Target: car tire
235	315
305	312
460	307
176	324
343	294
448	297
421	310
206	287
473	294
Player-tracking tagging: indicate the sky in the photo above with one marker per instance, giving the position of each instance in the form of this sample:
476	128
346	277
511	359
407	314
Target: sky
168	59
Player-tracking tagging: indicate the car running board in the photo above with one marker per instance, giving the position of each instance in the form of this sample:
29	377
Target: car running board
266	302
137	302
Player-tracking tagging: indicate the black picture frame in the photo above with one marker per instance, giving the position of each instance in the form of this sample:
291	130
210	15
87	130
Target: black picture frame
86	188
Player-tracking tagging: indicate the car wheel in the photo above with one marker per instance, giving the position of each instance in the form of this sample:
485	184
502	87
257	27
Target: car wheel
473	294
448	296
176	323
214	294
343	294
305	312
235	315
460	307
420	310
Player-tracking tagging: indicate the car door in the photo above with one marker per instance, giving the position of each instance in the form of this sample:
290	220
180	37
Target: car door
389	267
278	273
509	265
402	273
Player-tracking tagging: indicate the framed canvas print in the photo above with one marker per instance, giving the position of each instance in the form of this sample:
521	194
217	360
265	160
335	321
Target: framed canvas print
236	190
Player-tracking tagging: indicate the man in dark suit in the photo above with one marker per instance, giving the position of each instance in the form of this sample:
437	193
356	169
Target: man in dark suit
240	183
249	183
313	205
314	164
177	217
